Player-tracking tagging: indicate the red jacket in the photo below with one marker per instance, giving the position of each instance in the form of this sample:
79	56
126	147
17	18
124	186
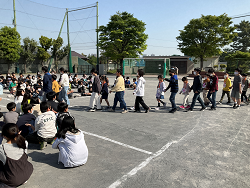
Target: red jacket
214	83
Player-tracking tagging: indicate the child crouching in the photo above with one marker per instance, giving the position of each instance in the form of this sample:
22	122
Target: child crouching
70	141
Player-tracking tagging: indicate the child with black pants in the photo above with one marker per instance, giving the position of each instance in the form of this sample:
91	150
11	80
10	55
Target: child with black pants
173	84
245	84
139	92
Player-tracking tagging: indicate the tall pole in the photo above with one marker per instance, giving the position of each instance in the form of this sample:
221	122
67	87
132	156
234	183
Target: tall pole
69	56
14	8
97	37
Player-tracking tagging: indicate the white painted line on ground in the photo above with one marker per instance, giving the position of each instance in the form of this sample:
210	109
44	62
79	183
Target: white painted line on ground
243	124
119	143
140	166
2	106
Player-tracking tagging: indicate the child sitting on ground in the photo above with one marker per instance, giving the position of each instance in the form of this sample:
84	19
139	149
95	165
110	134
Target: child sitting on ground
127	83
51	96
11	116
36	106
62	113
45	127
185	91
26	118
160	92
70	141
15	168
134	84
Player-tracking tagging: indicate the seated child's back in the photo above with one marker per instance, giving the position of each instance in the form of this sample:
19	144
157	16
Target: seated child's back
11	116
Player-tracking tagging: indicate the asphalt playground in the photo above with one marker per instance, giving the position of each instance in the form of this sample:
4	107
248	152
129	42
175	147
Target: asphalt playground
207	149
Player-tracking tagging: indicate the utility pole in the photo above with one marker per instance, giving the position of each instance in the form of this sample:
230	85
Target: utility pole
69	56
14	8
97	37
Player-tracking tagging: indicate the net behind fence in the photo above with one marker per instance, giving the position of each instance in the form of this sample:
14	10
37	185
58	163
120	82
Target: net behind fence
149	66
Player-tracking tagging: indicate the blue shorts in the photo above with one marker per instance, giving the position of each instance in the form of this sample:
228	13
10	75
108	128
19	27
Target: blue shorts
161	97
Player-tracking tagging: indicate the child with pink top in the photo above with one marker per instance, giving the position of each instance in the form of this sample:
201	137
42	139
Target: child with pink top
185	91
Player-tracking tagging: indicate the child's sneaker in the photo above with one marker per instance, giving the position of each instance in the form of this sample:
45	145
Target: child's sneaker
188	106
157	108
165	105
182	107
124	112
43	145
132	108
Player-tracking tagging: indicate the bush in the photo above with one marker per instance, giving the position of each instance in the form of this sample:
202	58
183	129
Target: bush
222	66
216	66
111	71
222	70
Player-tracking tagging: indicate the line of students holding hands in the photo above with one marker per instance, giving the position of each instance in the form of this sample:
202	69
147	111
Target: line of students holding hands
208	87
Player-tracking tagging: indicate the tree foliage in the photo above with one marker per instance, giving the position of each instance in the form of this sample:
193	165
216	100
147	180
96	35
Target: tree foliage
92	59
123	37
241	42
59	52
239	59
204	37
28	52
10	47
42	51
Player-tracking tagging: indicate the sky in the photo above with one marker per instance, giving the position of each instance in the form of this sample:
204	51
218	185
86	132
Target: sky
163	18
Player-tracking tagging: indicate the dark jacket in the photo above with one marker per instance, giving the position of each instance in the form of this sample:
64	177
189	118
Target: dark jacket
105	90
213	84
173	84
197	84
61	116
47	82
96	86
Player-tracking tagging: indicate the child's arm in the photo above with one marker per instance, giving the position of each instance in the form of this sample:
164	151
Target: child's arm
56	143
29	125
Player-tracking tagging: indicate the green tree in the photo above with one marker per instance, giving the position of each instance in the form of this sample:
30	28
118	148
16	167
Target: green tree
204	37
29	48
238	59
242	41
10	47
58	52
92	59
123	37
42	51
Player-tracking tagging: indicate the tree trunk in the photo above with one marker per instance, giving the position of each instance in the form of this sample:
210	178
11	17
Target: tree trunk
121	65
201	62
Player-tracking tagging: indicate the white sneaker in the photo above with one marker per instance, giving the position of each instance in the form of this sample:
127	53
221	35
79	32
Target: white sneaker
132	108
125	111
91	110
157	108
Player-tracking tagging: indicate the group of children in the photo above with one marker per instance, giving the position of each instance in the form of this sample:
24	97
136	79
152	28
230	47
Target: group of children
209	88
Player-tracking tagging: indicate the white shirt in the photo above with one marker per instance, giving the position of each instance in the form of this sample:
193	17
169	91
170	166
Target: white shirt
18	100
45	125
64	80
73	150
139	90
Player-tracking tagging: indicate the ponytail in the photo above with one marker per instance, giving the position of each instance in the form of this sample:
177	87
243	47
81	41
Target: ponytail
11	131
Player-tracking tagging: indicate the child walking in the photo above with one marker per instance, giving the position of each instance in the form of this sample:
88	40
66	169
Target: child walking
14	165
185	91
70	141
160	92
104	90
173	84
245	85
205	87
139	92
226	88
197	88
